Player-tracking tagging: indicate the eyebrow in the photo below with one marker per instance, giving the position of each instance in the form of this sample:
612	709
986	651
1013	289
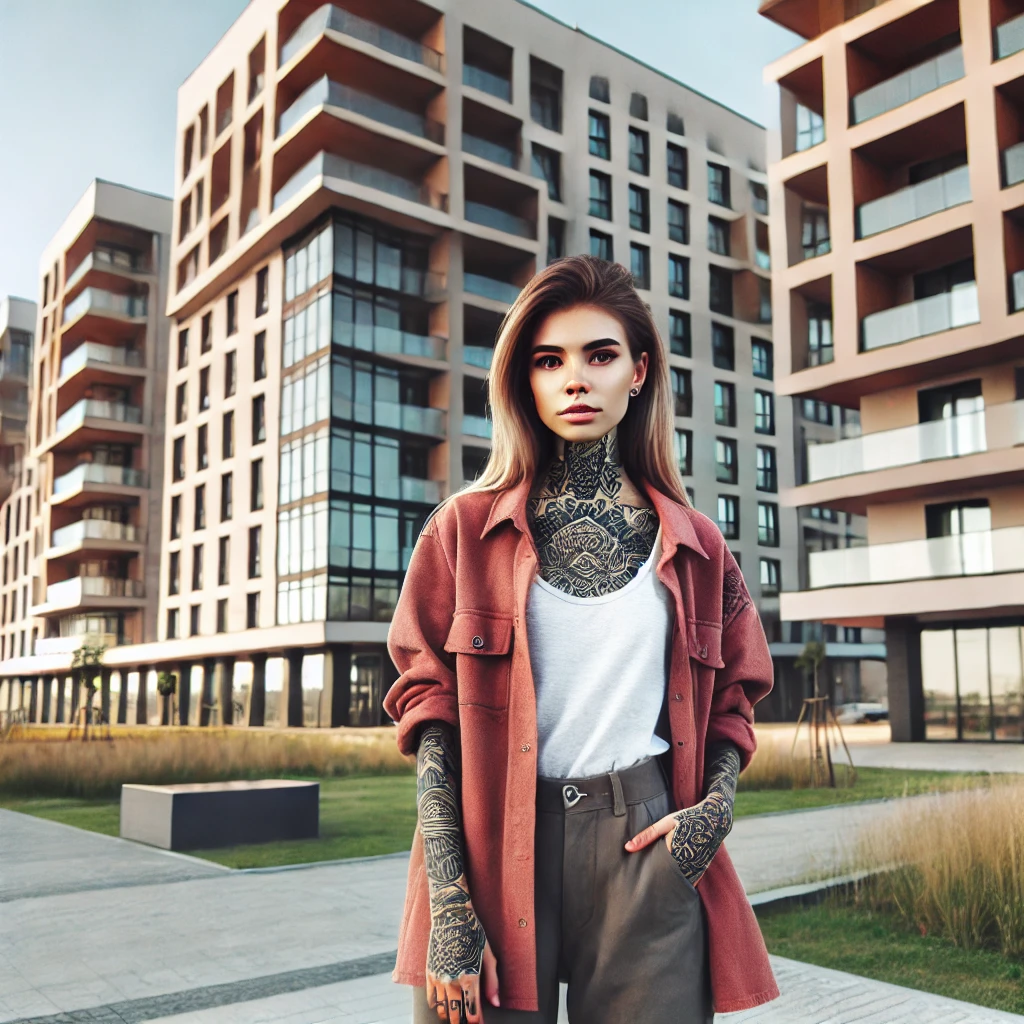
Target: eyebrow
589	347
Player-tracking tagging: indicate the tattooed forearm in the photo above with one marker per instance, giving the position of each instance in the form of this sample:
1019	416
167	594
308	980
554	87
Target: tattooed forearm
702	828
456	936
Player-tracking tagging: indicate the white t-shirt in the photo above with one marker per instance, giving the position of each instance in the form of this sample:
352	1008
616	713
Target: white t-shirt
600	667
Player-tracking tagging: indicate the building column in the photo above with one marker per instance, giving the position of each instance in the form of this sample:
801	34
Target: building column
32	686
337	689
76	696
184	692
223	686
46	700
291	688
258	690
59	699
906	690
142	695
105	694
122	697
206	704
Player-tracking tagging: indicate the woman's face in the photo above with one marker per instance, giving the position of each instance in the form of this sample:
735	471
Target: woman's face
580	356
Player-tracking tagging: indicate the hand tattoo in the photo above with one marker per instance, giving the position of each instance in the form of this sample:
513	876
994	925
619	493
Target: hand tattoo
702	829
457	938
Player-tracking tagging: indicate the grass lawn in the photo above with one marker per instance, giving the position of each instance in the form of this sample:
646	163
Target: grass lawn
849	938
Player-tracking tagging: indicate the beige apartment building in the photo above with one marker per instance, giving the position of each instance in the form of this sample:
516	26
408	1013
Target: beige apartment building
17	326
898	295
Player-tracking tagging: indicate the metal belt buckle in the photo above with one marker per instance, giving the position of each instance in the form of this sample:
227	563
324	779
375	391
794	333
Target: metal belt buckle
571	796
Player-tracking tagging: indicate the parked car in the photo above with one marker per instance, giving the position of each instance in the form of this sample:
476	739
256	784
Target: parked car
861	712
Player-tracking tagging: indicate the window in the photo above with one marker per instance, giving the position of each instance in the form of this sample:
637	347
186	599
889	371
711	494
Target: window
546	94
674	124
257	63
601	245
230	373
723	347
639	151
764	301
815	233
233	313
718	185
678	166
810	128
764	412
817	411
720	291
759	198
718	235
252	610
640	265
259	356
178	459
199	518
226	497
182	348
725	460
175	516
262	295
256	486
679	333
223	560
556	239
259	419
638	106
771	571
222	615
227	436
682	389
768	523
204	388
819	334
186	163
547	165
197	567
729	516
679	276
639	208
600	135
206	333
255	539
725	404
762	358
684	449
767	474
689	495
678	222
172	623
181	403
600	195
174	573
193	620
599	89
202	447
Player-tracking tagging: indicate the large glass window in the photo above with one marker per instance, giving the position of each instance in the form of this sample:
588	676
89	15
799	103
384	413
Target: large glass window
600	135
306	397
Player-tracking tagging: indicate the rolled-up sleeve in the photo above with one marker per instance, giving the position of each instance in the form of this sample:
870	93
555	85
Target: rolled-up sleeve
426	688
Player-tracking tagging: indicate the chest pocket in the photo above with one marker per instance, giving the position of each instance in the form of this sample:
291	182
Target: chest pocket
705	642
482	642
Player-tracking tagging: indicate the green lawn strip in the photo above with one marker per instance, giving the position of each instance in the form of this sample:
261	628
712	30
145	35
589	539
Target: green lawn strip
873	945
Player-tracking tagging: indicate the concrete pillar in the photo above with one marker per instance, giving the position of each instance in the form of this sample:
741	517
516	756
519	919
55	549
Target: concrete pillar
223	682
34	704
291	688
122	697
207	706
60	698
76	695
258	690
906	692
184	692
142	695
337	689
46	699
105	694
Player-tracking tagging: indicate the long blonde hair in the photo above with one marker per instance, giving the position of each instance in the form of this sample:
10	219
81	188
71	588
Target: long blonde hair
521	444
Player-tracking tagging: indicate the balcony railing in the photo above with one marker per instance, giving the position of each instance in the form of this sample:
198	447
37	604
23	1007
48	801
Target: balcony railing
15	363
500	220
487	81
488	150
478	355
1009	37
338	20
415	489
982	552
101	301
94	352
387	341
490	288
476	426
96	473
762	259
328	165
70	644
909	85
914	202
936	313
94	408
1017	291
1013	165
93	529
103	258
333	94
70	592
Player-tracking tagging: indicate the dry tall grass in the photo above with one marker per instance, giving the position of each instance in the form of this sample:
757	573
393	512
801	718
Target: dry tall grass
960	870
97	769
772	766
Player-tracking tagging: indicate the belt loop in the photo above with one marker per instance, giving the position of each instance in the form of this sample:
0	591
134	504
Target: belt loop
620	803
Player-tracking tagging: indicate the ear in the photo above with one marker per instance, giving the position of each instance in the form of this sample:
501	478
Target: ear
640	372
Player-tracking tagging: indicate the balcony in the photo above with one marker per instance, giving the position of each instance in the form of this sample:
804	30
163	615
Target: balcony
500	220
487	81
476	426
387	341
15	363
327	165
103	258
94	408
84	530
478	355
982	552
908	85
1013	165
414	419
70	644
1009	37
70	593
490	288
487	150
944	312
324	92
97	300
92	352
93	473
335	19
914	202
415	489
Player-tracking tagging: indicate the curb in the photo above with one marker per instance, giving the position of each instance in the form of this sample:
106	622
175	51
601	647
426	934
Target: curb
807	894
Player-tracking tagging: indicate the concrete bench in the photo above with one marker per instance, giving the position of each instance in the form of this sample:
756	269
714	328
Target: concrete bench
199	816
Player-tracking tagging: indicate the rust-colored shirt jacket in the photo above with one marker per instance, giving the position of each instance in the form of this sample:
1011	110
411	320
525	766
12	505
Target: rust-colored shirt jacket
458	638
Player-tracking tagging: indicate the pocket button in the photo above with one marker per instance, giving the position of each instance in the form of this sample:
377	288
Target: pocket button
478	642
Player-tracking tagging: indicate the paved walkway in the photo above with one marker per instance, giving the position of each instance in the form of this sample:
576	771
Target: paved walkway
941	757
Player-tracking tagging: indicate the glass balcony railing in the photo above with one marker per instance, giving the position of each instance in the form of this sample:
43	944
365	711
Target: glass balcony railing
490	288
762	259
1013	165
476	426
15	363
487	150
94	352
104	258
416	419
1017	291
937	313
338	20
982	552
92	529
325	92
94	408
478	355
327	165
387	341
1009	37
70	644
97	300
914	202
487	81
71	592
500	220
415	489
909	85
96	473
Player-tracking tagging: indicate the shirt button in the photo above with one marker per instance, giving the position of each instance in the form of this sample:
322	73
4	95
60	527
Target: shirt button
525	748
478	642
522	922
678	696
704	651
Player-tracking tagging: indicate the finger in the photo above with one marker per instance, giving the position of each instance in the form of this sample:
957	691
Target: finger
650	834
454	995
490	976
471	999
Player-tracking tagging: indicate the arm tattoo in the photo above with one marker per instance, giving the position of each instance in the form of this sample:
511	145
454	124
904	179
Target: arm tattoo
456	935
702	829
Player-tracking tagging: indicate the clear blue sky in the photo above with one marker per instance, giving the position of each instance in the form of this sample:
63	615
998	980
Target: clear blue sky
88	89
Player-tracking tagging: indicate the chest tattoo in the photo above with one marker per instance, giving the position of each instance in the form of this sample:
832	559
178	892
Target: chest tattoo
589	543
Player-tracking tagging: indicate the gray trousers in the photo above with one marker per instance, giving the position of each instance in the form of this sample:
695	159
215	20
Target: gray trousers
626	931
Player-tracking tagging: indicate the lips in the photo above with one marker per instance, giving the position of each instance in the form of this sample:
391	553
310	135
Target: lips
578	408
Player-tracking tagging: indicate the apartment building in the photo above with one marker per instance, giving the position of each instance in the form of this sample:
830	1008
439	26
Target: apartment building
17	326
898	293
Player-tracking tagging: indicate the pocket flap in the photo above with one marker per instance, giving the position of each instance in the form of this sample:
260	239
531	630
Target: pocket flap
705	642
475	632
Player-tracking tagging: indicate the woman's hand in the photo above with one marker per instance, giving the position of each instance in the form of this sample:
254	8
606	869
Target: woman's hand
457	957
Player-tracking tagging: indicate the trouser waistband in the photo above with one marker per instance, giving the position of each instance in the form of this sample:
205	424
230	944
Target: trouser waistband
613	789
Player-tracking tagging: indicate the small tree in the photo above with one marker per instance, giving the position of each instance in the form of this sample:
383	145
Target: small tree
166	685
85	665
810	660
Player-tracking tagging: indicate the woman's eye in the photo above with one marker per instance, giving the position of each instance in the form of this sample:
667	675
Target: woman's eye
543	362
610	356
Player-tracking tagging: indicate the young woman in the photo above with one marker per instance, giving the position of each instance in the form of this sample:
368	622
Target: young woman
579	658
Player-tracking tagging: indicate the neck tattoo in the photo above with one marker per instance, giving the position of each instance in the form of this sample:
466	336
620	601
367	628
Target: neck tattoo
589	543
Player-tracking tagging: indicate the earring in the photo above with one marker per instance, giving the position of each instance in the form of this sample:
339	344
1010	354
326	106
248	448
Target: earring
634	392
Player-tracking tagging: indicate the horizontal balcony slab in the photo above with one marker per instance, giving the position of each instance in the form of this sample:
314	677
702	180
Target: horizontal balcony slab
90	547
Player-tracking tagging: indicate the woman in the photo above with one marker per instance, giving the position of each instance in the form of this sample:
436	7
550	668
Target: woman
579	657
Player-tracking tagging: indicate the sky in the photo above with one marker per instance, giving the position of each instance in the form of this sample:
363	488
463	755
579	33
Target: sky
88	89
